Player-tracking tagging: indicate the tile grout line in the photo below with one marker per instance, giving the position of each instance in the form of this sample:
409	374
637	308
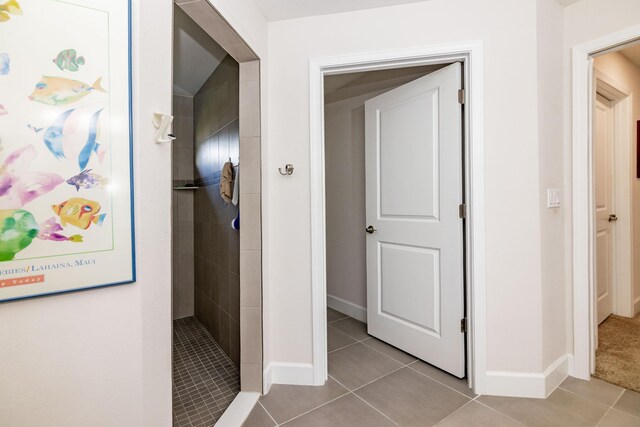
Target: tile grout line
348	345
268	413
586	398
375	409
377	379
610	408
353	392
317	407
384	354
454	412
441	383
495	410
337	320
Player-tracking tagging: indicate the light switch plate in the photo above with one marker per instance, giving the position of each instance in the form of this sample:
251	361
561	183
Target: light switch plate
553	197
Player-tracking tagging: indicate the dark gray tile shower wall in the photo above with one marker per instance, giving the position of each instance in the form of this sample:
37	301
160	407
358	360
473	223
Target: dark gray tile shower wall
216	244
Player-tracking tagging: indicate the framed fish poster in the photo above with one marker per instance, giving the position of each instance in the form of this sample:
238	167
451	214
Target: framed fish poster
66	191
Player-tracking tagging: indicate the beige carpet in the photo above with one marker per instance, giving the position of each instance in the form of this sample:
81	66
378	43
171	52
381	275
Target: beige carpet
618	354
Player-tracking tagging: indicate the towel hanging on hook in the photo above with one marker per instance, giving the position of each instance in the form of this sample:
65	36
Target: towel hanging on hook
236	187
226	182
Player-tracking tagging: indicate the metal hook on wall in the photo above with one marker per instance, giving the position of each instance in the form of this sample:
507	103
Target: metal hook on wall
288	170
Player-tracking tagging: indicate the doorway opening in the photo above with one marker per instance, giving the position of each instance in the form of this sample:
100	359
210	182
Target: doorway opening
217	307
617	295
350	99
393	159
603	257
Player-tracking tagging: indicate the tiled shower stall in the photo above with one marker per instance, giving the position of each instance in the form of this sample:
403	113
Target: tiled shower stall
206	250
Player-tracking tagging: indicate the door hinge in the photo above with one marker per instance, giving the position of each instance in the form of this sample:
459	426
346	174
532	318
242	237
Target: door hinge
461	96
463	325
462	211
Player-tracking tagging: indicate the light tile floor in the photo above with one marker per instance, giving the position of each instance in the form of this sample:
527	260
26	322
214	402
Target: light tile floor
373	384
205	381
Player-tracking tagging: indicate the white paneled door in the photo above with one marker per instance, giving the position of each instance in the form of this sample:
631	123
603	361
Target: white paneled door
415	264
605	216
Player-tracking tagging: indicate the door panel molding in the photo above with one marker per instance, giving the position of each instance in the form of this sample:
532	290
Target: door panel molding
471	54
415	269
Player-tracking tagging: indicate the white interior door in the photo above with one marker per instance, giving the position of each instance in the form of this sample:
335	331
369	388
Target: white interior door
415	282
605	215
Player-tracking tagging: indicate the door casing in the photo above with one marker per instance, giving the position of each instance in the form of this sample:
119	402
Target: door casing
582	255
471	55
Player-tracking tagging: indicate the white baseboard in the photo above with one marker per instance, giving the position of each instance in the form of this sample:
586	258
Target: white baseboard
528	384
288	373
570	364
557	372
348	308
237	413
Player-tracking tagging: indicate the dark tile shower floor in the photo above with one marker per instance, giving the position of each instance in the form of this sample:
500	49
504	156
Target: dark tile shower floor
205	381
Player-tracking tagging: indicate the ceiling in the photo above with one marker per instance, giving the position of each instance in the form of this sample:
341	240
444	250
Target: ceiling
567	2
343	86
277	10
195	55
632	53
192	45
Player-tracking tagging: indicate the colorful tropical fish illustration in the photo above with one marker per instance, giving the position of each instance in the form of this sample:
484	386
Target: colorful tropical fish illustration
3	111
5	64
19	185
68	60
74	135
49	231
60	91
87	179
54	133
79	212
10	7
92	145
18	228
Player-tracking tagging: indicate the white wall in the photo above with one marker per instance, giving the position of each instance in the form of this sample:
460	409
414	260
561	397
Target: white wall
103	357
345	200
513	246
619	68
552	225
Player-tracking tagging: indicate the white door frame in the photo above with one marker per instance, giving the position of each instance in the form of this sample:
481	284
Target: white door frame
622	105
583	84
471	53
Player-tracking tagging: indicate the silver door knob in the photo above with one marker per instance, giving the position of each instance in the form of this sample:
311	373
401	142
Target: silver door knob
370	229
613	218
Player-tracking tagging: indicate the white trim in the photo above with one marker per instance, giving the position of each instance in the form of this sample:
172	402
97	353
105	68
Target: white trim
529	384
348	308
582	187
556	373
266	380
239	410
472	54
288	373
